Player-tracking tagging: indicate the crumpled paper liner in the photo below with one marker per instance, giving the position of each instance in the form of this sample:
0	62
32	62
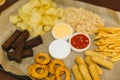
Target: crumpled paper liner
112	18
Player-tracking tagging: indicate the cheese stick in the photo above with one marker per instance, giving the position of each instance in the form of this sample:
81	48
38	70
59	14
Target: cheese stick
93	72
105	63
85	73
99	70
76	73
79	60
89	62
93	53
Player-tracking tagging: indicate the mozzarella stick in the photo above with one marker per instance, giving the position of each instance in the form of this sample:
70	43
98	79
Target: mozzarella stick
79	60
102	62
99	70
89	62
85	73
93	53
93	72
76	73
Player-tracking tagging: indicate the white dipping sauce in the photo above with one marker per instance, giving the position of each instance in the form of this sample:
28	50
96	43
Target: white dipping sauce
59	49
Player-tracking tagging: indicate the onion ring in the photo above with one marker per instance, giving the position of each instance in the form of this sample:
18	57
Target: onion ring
29	69
51	77
58	73
45	60
32	71
55	64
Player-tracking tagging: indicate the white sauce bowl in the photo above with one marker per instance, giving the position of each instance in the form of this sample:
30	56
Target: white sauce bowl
59	49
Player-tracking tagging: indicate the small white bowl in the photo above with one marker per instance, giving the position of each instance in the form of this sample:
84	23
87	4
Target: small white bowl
79	49
59	49
59	31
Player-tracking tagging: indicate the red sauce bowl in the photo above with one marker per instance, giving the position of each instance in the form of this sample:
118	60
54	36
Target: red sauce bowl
80	42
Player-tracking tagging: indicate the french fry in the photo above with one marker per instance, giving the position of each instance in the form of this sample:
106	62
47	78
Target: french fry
76	72
111	50
108	29
108	41
93	53
116	58
112	54
85	73
93	72
117	47
105	63
114	45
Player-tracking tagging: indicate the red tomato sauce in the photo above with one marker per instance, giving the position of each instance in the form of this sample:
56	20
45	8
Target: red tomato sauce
79	41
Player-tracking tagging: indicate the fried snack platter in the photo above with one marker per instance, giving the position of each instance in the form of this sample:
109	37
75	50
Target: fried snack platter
111	18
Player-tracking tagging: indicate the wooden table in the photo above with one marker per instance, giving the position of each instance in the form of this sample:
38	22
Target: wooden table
112	4
7	4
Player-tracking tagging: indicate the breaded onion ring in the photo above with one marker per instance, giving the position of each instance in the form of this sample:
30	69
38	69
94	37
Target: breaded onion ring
33	71
51	77
30	68
42	58
62	69
55	64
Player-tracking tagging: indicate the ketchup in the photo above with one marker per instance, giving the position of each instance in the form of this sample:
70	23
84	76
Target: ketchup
79	41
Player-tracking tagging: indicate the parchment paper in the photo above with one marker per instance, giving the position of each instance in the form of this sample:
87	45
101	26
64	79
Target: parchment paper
112	18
